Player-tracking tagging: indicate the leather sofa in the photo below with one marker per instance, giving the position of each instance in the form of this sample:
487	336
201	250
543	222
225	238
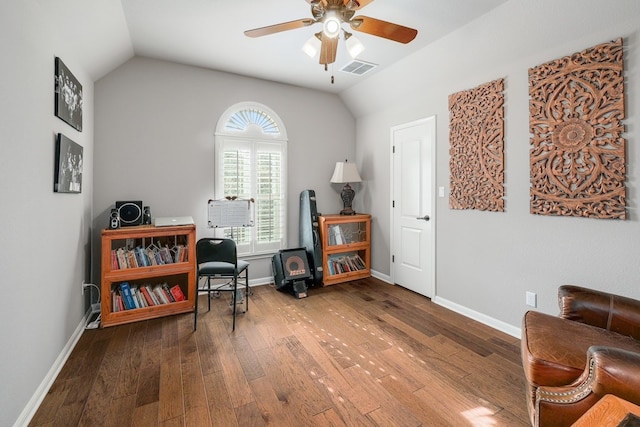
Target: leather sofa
572	360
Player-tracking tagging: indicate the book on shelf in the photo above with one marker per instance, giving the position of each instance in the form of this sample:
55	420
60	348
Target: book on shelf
336	232
147	296
125	291
126	296
160	294
123	257
339	264
177	293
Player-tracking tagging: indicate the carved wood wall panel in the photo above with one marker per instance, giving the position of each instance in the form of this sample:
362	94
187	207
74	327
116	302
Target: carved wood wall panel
476	135
577	152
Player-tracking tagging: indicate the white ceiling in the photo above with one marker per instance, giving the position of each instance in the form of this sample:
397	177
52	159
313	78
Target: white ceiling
209	33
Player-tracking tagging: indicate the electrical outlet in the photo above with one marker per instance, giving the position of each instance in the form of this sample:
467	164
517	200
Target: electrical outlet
440	191
531	298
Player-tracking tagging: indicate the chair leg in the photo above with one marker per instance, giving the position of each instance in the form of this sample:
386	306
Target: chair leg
195	310
246	291
233	301
209	291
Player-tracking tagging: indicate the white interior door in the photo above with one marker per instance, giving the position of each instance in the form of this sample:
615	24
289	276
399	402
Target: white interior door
413	207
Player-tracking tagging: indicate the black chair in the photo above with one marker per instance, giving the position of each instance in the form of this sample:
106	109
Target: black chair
217	259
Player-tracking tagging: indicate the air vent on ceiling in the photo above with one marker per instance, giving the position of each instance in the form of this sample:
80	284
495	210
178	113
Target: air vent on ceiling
358	67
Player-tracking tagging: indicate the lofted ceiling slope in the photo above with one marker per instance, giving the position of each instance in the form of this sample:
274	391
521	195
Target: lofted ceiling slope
210	34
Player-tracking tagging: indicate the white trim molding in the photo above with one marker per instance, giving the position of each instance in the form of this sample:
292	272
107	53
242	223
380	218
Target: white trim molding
482	318
34	403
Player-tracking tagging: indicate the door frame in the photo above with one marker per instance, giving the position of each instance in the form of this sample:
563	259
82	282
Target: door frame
432	262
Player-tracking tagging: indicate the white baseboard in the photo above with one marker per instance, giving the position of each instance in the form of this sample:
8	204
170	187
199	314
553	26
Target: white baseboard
34	403
482	318
380	276
260	281
465	311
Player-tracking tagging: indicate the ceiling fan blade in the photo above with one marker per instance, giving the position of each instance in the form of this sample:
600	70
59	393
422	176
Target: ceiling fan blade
387	30
328	49
285	26
356	4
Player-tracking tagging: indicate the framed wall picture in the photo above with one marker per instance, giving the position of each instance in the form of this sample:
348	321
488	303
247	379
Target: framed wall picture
68	166
68	96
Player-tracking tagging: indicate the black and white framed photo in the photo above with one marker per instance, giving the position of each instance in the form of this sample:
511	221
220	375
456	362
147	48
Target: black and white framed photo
68	166
68	96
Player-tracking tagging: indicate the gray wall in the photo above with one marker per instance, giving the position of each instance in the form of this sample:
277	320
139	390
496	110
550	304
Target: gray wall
155	124
486	261
44	237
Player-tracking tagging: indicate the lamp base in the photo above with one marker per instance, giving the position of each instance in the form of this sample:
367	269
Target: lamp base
347	211
347	196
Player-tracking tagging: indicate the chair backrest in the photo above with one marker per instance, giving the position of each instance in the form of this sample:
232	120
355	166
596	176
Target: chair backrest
210	249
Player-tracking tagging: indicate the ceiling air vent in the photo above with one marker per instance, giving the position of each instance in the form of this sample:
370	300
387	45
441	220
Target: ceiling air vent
358	67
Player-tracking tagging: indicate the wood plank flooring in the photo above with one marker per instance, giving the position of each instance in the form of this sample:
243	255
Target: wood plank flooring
363	353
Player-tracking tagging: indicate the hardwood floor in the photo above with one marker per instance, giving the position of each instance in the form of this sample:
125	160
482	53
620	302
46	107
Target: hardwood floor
363	353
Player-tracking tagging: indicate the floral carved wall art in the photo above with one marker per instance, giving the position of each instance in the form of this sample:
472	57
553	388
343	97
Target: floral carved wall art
577	152
476	135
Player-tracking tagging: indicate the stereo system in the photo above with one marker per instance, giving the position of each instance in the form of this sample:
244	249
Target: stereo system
291	271
310	233
130	213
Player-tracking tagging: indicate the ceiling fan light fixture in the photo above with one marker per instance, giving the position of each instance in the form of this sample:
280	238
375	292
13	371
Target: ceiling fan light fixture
312	46
354	46
331	25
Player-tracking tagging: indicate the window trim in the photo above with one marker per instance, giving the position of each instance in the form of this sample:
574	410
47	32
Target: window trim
252	133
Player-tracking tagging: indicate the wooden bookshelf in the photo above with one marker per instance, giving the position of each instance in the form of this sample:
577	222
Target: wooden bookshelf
179	241
346	247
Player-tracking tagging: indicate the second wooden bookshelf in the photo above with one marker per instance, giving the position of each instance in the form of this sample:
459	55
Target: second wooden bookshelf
346	247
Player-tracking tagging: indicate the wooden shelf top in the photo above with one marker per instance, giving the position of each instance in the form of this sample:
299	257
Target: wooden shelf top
142	230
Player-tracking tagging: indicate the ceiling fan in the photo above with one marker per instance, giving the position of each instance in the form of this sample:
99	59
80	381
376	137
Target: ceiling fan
332	14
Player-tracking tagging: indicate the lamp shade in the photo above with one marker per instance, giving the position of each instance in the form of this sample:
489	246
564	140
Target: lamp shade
344	173
312	46
354	46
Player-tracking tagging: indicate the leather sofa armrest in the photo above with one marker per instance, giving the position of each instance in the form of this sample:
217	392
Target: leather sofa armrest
601	309
617	372
608	371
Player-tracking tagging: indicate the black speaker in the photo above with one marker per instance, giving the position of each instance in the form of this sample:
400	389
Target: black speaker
146	215
114	220
291	271
130	213
310	233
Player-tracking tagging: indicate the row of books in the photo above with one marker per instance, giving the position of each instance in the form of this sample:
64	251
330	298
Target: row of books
122	258
129	297
345	264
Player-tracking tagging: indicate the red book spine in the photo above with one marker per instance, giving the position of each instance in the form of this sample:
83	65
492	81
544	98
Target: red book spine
177	293
145	292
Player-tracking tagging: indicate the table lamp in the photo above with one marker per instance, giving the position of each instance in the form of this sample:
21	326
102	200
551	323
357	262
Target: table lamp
345	173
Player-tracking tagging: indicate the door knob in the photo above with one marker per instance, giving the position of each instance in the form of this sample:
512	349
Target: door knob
425	218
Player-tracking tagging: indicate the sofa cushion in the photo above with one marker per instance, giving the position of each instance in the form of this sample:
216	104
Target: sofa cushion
555	349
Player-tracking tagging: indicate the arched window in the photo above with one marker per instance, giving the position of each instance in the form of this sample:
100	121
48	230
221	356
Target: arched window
250	163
